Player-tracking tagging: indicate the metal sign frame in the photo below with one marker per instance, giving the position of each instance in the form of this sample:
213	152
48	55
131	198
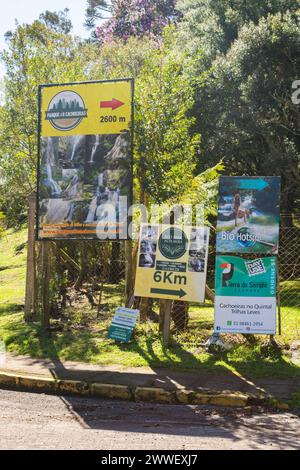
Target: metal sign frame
39	156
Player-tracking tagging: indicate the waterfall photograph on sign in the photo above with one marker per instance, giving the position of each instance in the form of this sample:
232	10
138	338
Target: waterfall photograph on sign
81	176
248	214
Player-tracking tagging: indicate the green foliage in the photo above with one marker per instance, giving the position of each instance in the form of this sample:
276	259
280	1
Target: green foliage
2	224
84	335
245	112
119	60
12	270
165	149
57	21
35	54
97	10
165	83
203	189
214	24
129	18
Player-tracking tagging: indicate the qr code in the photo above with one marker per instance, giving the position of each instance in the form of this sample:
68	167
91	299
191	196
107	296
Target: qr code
255	267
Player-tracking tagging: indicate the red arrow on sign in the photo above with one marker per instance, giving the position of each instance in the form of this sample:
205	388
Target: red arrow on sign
113	104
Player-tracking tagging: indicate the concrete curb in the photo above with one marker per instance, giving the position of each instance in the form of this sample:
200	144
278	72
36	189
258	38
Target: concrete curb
50	385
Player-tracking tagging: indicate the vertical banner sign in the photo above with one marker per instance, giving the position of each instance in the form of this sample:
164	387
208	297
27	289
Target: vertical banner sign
85	160
172	262
245	295
248	214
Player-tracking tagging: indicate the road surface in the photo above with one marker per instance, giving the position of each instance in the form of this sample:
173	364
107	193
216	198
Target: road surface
32	421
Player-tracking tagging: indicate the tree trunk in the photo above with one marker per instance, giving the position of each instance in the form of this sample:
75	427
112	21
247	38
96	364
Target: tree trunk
46	276
165	309
129	287
83	266
180	315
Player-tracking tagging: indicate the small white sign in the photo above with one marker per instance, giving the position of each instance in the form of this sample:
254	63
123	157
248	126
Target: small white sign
126	316
245	315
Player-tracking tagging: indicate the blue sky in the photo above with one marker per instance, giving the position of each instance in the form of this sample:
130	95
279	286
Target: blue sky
25	11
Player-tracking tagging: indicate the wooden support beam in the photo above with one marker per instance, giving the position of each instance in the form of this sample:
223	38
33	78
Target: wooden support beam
128	271
69	260
46	275
166	308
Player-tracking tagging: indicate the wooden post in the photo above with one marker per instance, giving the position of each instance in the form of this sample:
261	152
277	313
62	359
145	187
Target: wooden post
128	271
130	303
209	293
30	290
166	306
46	269
161	319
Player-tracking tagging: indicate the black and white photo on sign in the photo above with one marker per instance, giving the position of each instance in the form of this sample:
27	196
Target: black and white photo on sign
198	236
146	260
147	253
197	250
149	232
197	247
197	261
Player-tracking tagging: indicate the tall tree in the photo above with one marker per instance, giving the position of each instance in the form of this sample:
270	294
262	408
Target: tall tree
245	111
118	59
129	18
57	21
213	25
165	147
96	11
35	54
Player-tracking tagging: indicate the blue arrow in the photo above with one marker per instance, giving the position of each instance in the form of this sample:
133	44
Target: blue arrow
254	183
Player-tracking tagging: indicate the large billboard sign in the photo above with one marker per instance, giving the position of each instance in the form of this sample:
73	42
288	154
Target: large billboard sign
245	295
172	262
248	214
85	159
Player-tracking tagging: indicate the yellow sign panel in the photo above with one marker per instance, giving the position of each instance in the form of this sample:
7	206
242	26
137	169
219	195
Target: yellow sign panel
172	262
85	160
90	108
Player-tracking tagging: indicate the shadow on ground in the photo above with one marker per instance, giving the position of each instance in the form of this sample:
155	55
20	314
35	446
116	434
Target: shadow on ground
216	372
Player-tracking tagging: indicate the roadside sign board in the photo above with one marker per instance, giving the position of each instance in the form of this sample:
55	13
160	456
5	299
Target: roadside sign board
85	159
245	295
172	262
248	214
123	324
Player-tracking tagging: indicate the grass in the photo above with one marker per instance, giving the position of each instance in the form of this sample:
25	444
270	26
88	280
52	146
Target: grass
295	400
12	271
83	336
229	227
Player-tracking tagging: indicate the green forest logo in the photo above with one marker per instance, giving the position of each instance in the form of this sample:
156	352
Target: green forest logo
173	243
66	111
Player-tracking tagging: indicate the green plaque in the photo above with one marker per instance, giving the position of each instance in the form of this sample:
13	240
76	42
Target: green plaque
173	243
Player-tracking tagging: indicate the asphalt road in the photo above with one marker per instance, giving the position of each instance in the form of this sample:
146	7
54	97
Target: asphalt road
32	421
